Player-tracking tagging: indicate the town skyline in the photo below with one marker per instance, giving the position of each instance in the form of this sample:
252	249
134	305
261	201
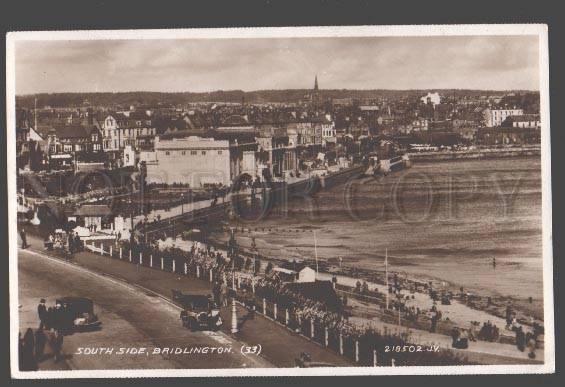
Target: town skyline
431	89
360	63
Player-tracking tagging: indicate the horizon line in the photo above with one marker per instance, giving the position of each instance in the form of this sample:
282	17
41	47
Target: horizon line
262	90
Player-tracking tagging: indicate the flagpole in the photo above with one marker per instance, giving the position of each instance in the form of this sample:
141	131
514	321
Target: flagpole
386	276
316	252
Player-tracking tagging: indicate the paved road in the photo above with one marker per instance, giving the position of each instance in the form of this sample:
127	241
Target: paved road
279	345
131	318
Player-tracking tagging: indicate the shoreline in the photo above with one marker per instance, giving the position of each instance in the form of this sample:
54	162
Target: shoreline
475	154
498	301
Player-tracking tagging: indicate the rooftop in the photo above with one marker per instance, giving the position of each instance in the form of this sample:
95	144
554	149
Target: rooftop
93	210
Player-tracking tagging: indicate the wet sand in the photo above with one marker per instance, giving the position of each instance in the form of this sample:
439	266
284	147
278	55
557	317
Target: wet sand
445	220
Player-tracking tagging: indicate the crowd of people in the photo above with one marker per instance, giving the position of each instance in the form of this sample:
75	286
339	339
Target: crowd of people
66	241
302	309
47	340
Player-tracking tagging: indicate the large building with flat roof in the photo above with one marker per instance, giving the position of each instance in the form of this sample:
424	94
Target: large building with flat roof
193	160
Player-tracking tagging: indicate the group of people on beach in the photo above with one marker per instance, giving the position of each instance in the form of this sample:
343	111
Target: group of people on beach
302	309
524	340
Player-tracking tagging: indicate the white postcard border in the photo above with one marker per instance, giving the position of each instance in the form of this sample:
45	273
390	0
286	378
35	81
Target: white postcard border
291	32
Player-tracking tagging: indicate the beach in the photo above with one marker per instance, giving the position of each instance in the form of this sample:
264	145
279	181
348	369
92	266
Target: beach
449	221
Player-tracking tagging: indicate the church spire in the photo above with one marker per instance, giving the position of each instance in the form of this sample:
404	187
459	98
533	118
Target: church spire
316	83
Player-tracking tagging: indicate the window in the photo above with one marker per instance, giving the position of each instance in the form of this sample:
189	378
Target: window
183	153
203	153
219	152
193	153
167	153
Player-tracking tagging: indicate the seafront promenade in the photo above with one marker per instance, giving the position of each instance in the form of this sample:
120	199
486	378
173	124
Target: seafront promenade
160	280
480	153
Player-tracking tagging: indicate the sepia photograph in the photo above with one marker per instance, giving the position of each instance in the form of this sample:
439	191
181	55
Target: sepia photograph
370	200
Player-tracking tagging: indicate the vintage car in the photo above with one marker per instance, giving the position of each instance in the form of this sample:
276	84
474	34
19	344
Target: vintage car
305	361
199	312
81	311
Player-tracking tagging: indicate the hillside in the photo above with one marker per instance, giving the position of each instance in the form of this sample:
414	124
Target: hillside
234	96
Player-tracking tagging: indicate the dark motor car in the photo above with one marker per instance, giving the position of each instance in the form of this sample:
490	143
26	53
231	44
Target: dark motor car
199	312
81	312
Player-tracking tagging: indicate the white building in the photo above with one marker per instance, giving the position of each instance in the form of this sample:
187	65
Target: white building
119	131
129	156
433	98
528	121
328	131
307	274
495	117
301	273
192	160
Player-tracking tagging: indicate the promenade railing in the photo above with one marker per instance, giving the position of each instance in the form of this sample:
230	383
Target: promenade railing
368	347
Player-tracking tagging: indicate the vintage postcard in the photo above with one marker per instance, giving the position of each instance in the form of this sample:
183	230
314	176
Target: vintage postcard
280	201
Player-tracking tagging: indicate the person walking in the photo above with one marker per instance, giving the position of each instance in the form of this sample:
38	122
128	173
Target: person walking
531	347
42	313
224	294
57	345
49	318
24	238
216	291
20	351
78	242
40	341
29	363
520	339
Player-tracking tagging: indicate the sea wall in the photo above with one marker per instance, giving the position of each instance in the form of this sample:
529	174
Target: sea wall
477	154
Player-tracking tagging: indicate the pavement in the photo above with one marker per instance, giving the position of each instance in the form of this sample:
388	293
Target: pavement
131	320
279	346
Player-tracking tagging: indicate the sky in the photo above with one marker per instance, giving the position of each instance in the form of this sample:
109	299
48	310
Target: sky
199	65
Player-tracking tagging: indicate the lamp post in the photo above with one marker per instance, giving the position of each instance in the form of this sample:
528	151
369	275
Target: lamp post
145	229
232	250
182	203
254	249
386	277
130	206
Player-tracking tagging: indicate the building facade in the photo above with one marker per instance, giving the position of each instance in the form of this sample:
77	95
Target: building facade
495	117
528	121
431	98
193	160
119	131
